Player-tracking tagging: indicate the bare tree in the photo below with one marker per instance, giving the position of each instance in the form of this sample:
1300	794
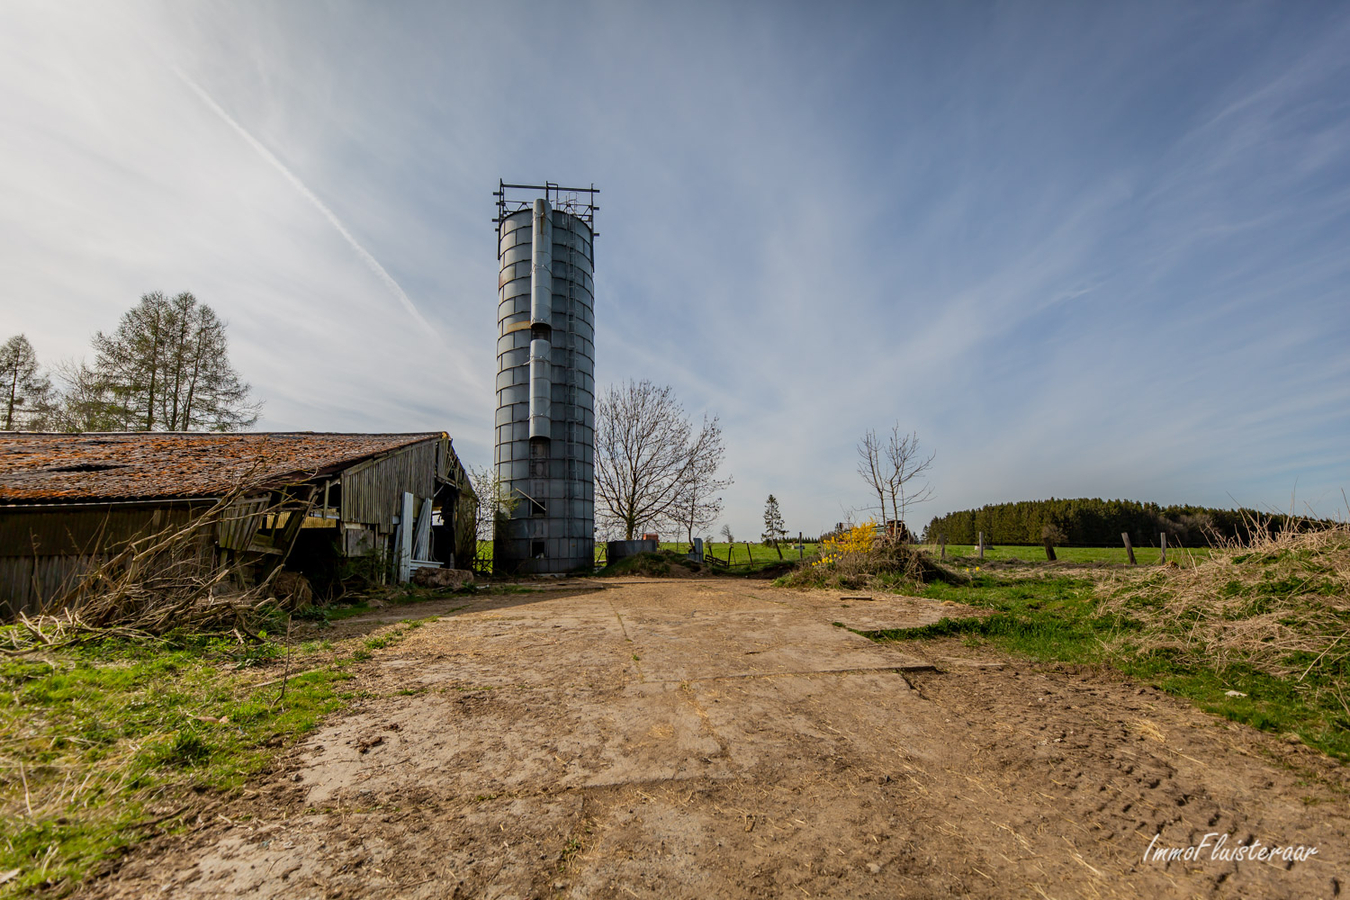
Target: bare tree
871	465
26	397
906	464
699	501
86	402
892	469
496	501
646	454
166	367
726	533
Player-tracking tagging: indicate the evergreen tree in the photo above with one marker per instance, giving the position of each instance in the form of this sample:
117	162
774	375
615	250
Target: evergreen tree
166	368
26	398
774	529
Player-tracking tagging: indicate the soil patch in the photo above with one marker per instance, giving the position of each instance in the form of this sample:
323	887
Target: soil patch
717	737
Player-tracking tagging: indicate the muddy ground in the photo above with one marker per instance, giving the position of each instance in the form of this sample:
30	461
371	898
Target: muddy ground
722	738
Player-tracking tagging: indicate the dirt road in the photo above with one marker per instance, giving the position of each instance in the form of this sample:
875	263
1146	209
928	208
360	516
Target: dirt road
722	738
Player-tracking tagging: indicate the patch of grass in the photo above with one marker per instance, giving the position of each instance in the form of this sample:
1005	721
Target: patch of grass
1285	673
103	739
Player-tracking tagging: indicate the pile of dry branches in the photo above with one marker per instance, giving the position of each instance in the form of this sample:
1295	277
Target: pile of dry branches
1274	603
155	584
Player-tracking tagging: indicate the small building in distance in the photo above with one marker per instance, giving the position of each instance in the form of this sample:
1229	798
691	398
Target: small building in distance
306	500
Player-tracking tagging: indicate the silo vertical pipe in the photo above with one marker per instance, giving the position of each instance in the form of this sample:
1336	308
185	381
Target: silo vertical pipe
541	318
541	269
541	388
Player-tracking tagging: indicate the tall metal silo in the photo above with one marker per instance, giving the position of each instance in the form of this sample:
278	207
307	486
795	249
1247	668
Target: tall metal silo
545	422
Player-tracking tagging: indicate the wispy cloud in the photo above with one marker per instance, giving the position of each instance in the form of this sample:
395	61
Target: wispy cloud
362	253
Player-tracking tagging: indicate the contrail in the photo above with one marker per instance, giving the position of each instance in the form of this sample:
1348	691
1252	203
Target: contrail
299	185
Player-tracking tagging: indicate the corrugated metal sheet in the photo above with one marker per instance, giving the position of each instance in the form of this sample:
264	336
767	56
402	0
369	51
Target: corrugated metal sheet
123	466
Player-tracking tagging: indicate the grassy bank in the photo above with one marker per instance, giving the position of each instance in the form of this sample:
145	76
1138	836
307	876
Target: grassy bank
111	740
1259	635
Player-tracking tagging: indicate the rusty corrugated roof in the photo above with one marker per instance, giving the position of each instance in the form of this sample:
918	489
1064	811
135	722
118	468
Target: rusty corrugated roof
48	468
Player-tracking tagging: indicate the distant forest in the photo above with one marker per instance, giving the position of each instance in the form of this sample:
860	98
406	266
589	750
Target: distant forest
1099	523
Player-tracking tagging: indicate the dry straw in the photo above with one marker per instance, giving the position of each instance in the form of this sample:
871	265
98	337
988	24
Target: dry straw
1279	601
157	583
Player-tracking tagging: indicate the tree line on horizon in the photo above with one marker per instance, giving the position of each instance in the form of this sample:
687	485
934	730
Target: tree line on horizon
165	367
1093	522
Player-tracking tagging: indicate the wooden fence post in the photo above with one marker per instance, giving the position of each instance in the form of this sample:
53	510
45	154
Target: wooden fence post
942	546
749	554
801	548
1049	550
1162	542
981	545
1129	548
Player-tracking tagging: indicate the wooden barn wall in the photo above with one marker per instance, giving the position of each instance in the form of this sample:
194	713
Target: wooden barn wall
43	551
373	492
66	531
27	582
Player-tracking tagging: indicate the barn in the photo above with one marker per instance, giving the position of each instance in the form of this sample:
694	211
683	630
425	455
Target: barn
301	500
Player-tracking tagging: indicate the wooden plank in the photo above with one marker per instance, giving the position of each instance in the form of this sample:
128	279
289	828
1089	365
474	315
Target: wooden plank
404	538
422	531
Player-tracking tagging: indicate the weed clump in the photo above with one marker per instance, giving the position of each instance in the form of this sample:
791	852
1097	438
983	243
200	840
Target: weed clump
860	557
661	564
1279	604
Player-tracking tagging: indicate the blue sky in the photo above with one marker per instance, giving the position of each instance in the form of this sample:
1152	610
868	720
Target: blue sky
1082	249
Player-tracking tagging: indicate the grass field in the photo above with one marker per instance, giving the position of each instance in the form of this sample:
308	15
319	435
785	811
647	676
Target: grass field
739	555
762	553
1144	556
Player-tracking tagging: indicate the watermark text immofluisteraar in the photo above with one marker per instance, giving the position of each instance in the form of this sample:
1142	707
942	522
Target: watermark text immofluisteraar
1216	847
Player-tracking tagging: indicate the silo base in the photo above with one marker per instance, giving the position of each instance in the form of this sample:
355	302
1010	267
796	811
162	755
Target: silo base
548	556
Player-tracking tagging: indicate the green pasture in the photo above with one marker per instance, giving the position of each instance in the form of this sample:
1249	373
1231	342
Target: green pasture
1144	556
758	552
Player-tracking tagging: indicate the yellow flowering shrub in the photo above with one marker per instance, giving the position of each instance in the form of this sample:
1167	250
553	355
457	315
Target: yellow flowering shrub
850	546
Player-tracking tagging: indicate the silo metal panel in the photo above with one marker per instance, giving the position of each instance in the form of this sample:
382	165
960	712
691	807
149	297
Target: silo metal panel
514	288
565	482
